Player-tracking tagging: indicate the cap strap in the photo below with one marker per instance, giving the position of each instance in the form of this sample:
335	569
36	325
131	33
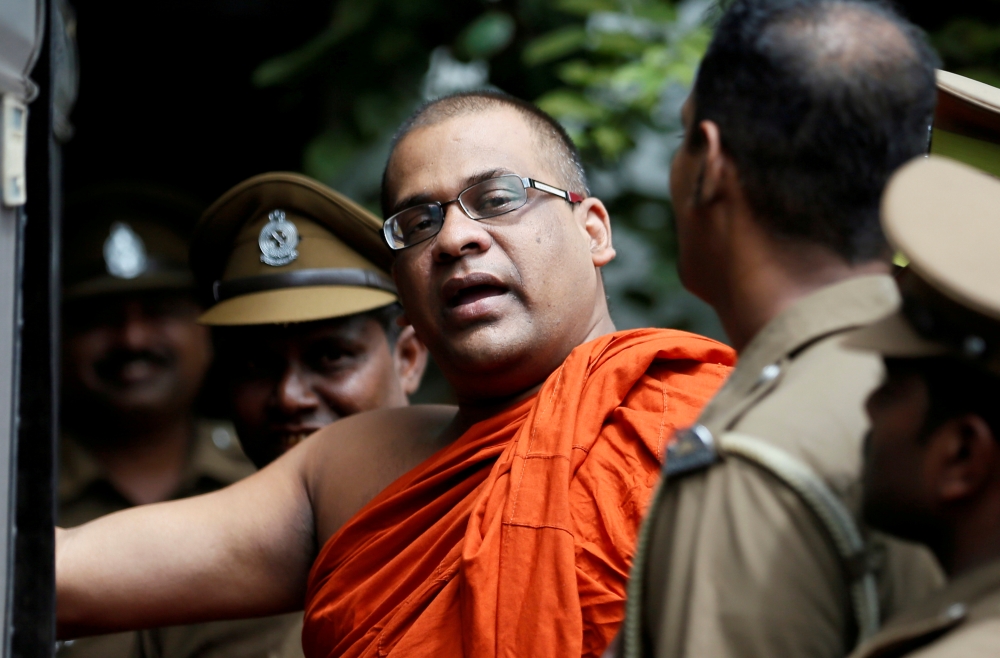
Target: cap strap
340	276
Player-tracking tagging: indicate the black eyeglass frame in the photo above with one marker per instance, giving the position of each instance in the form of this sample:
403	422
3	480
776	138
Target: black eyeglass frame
527	183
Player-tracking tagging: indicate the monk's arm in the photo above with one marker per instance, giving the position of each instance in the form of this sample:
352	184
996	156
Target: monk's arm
242	551
245	550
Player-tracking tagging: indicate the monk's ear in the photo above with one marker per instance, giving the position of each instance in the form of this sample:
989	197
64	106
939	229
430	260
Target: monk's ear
596	224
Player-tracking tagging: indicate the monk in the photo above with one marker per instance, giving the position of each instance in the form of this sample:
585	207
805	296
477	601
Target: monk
503	527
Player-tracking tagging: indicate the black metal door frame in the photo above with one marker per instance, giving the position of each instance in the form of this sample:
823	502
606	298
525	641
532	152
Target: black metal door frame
29	606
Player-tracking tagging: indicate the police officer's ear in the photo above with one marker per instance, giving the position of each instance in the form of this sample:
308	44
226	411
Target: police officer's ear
965	459
715	164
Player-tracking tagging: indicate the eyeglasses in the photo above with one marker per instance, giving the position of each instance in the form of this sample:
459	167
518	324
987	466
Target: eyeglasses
490	198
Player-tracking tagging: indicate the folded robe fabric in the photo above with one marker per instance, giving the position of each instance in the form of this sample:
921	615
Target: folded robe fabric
516	539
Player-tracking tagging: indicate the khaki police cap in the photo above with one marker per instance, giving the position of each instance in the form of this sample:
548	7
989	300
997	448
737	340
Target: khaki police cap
944	216
967	122
281	248
126	238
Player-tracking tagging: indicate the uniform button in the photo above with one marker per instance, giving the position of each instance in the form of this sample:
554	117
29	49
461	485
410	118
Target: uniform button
954	611
768	374
221	438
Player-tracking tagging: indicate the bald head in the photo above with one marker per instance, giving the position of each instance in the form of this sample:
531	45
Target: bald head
818	102
550	138
833	41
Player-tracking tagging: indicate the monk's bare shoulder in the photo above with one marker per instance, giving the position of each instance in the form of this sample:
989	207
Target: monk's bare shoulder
347	463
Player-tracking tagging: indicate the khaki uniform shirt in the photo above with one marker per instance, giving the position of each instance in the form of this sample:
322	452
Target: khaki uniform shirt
737	564
960	621
216	461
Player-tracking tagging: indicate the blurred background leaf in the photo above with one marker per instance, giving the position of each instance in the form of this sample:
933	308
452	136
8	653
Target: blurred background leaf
200	94
614	72
486	36
971	47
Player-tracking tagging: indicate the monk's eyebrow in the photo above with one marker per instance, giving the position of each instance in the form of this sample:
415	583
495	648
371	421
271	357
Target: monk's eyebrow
410	201
486	175
423	197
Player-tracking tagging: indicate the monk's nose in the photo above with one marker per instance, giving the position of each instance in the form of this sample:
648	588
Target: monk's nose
460	236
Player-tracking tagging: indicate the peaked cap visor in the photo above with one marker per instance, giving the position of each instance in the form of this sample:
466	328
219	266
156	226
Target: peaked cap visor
109	285
289	305
894	336
967	122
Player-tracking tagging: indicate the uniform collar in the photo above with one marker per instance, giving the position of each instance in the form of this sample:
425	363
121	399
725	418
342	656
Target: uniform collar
832	309
971	596
215	457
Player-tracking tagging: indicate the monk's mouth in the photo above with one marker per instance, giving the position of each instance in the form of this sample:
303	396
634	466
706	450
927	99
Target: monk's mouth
473	294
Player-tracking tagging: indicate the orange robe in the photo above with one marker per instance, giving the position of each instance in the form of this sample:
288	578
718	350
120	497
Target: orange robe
516	540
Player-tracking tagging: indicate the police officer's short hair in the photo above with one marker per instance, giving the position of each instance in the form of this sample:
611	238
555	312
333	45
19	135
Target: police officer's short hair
818	102
955	388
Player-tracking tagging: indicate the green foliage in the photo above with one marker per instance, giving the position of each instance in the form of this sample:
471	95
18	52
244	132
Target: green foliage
554	45
622	69
614	72
486	36
972	48
349	17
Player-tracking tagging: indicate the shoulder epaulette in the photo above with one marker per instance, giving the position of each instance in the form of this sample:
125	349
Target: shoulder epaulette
694	449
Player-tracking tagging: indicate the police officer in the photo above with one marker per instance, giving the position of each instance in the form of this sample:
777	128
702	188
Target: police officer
800	113
304	311
134	359
304	316
932	467
937	383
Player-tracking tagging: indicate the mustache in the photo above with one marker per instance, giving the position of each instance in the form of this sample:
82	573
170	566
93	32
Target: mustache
117	359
